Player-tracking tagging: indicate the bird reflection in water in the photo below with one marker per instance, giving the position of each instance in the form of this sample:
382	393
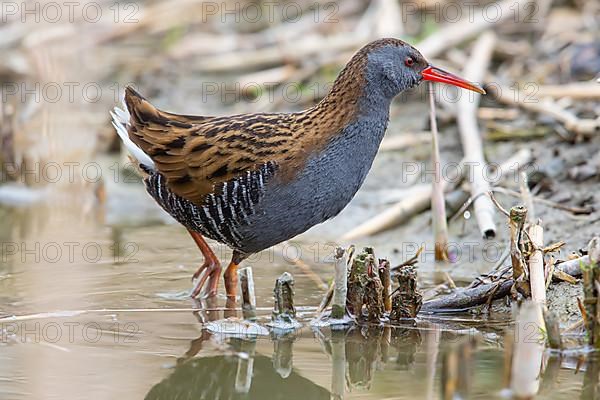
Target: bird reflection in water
237	371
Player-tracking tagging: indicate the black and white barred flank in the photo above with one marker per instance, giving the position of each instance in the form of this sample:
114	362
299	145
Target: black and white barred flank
222	212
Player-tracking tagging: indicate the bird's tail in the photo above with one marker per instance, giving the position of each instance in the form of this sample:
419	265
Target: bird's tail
121	121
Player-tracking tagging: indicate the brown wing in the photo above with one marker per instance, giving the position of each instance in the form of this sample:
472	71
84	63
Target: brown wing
197	153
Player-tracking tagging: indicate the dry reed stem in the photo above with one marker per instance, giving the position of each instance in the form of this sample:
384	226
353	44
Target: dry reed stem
475	70
438	205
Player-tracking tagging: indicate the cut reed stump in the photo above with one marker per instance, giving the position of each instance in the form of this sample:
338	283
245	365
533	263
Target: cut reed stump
406	300
365	287
284	313
247	290
591	292
338	309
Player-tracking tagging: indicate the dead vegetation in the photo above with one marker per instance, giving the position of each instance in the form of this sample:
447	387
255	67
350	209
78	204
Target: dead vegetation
540	72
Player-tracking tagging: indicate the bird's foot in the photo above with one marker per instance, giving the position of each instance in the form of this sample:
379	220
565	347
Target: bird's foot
208	279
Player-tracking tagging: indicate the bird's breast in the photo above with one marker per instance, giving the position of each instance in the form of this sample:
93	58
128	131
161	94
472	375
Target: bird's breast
320	190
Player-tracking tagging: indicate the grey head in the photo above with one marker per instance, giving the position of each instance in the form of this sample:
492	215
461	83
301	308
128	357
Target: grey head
392	69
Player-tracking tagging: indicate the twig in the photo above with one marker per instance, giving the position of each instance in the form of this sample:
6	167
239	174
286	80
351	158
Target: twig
572	209
471	138
306	269
574	326
411	261
498	205
514	163
326	300
579	126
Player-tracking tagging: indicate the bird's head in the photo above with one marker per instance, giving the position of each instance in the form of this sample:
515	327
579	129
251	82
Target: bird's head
398	66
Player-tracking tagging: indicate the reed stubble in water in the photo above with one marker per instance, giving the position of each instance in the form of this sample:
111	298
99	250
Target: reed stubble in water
338	309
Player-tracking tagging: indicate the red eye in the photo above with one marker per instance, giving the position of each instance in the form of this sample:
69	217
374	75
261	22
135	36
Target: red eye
409	61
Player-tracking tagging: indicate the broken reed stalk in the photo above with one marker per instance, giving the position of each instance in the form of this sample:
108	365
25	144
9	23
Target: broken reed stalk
406	299
365	287
338	309
247	290
326	299
518	215
528	351
283	309
591	292
386	281
537	281
475	70
438	205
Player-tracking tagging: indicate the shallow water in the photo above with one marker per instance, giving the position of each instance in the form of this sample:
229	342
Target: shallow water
97	310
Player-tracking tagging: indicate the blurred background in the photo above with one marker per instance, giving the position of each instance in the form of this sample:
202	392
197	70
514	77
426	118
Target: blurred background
83	244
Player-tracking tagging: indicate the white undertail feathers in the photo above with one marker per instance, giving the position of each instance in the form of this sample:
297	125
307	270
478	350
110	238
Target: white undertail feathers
120	120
